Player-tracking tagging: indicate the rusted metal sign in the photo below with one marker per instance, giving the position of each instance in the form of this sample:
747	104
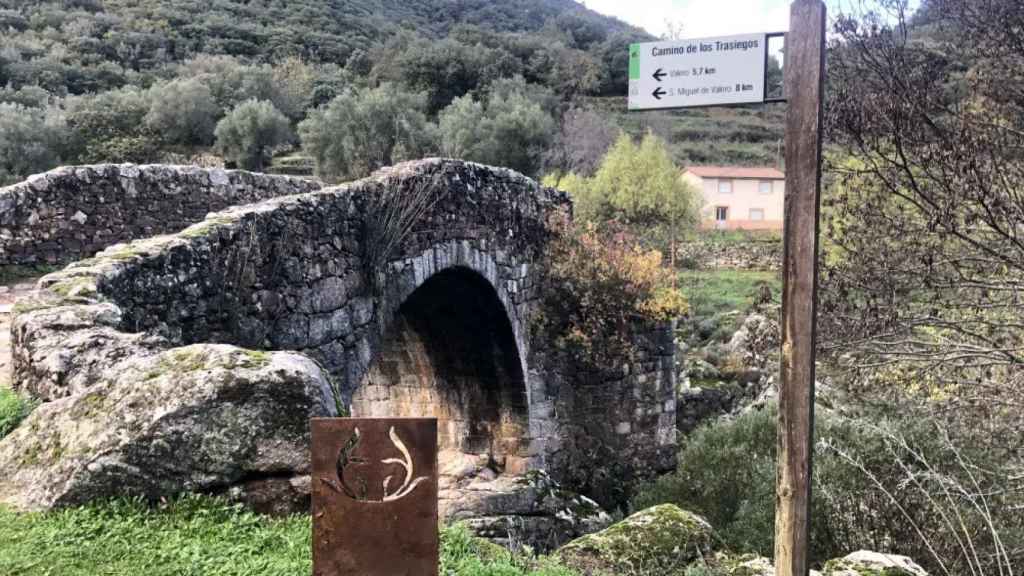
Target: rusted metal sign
375	497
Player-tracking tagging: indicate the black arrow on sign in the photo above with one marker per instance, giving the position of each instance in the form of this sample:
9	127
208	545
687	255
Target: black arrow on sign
659	74
658	93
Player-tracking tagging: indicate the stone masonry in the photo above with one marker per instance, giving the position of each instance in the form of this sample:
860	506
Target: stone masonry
411	292
73	212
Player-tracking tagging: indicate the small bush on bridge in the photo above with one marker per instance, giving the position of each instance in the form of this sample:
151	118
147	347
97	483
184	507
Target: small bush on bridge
604	285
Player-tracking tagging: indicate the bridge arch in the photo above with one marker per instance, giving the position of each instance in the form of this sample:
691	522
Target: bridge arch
450	352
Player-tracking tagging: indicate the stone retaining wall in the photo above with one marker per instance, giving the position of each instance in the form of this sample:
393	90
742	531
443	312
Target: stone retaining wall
756	254
73	212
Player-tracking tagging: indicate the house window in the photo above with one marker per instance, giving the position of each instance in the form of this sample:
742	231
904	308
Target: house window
757	214
764	187
725	186
721	213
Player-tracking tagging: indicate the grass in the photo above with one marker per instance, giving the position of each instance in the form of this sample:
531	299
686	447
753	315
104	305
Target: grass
197	535
715	292
13	409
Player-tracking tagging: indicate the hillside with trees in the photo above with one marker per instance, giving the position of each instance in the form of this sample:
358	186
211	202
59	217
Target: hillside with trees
185	81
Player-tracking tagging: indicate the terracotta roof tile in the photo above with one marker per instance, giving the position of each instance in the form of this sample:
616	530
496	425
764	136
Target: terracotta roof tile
761	173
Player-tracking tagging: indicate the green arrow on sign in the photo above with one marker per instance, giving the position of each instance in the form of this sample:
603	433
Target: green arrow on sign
634	61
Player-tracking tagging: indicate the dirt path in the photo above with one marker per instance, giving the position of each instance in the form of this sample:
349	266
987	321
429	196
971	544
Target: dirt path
8	294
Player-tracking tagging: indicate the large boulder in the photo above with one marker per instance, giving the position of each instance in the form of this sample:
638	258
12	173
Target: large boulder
757	340
201	418
659	541
867	563
725	564
530	510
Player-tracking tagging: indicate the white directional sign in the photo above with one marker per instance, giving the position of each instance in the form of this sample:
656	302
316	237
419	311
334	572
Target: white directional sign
698	72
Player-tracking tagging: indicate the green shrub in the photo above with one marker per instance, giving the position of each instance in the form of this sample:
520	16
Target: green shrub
727	475
13	409
601	282
511	128
892	486
250	131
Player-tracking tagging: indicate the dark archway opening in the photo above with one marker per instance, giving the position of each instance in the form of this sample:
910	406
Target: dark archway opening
450	353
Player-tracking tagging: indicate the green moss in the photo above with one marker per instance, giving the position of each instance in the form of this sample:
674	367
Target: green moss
26	305
119	255
31	455
196	358
207	226
255	359
89	406
43	451
742	565
660	540
75	287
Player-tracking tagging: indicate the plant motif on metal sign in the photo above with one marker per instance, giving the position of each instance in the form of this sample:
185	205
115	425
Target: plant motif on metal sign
355	486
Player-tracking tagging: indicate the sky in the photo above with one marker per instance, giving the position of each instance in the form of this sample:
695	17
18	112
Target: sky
701	18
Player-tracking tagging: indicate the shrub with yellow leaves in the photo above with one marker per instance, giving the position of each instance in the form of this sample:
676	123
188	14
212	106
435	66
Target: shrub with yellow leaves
602	286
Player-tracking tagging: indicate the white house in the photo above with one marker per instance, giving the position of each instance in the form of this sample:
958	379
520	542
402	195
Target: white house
739	197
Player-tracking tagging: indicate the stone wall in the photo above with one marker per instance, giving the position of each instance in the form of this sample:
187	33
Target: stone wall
620	420
762	252
73	212
429	317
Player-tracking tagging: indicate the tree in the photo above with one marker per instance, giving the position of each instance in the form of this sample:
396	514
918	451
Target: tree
30	140
924	218
924	263
294	81
460	128
365	129
250	131
232	81
183	112
510	129
443	70
109	127
641	187
582	142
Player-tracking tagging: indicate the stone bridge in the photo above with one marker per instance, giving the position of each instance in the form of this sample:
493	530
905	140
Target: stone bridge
192	361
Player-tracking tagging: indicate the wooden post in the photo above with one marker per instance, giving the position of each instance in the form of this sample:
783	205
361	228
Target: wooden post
804	81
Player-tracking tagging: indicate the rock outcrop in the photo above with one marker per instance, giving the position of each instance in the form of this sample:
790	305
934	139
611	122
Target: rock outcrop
531	510
867	563
202	418
662	540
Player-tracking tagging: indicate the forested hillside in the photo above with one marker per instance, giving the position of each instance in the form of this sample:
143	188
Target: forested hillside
84	81
80	46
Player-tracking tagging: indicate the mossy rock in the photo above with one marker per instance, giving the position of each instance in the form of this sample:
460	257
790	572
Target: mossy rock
659	541
744	565
198	418
866	563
